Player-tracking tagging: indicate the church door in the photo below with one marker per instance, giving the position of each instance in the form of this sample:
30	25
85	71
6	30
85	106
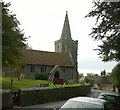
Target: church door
56	75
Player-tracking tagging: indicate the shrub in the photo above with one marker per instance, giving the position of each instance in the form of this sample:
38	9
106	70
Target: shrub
41	76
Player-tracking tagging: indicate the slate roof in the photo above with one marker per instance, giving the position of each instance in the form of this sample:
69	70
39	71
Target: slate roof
37	57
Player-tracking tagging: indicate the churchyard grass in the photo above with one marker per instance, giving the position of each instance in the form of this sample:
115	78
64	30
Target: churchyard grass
23	83
26	83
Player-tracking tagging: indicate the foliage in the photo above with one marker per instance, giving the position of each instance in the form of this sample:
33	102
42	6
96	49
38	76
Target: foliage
18	68
103	73
107	29
90	78
41	76
12	37
115	75
0	17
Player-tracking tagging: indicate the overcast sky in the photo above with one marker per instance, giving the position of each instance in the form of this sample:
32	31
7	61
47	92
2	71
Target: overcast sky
43	21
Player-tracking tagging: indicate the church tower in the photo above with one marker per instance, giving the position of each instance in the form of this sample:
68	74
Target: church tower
66	44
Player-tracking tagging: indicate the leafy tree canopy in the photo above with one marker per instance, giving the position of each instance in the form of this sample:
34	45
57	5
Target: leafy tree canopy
12	37
107	29
115	75
103	73
90	78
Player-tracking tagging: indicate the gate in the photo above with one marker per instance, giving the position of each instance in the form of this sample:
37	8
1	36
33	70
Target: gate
15	96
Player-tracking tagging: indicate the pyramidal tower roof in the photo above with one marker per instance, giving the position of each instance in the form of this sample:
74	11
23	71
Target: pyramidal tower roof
66	33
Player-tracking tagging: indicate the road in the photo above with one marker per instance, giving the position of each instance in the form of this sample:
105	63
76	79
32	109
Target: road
58	104
53	105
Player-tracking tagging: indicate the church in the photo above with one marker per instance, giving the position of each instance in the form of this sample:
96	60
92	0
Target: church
62	62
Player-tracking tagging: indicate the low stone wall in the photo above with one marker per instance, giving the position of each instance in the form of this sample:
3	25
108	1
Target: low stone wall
42	95
7	102
108	87
49	94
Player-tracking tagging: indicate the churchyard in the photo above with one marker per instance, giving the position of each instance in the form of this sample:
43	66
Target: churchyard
15	84
26	92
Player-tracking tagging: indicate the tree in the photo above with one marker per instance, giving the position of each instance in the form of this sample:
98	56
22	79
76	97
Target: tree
107	29
115	75
90	78
103	73
12	37
0	34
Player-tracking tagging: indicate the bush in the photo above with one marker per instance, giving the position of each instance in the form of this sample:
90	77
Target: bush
41	76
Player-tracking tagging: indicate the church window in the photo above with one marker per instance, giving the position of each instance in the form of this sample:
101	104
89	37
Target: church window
32	68
43	69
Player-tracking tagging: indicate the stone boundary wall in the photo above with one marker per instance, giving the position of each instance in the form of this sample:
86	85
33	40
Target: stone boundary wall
44	95
7	102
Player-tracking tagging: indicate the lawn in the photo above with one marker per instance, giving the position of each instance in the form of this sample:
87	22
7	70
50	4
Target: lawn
23	83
